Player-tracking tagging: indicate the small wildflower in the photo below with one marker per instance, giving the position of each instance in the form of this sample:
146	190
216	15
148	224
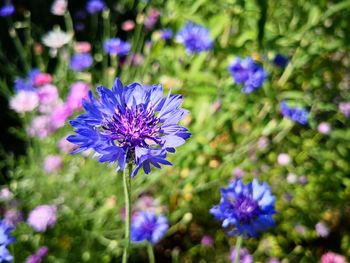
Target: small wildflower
40	127
116	46
66	146
207	241
244	256
81	61
128	25
166	34
324	128
147	226
283	159
195	38
95	6
322	229
59	7
249	73
7	10
42	217
331	257
280	61
24	101
82	47
151	19
78	91
296	114
52	163
39	255
248	209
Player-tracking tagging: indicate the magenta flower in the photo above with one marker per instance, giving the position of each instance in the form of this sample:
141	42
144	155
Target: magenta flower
78	91
42	217
331	257
52	163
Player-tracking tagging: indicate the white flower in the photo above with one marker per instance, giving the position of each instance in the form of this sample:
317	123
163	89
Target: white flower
56	39
24	101
59	7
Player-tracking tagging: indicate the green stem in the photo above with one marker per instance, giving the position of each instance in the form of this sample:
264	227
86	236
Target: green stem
238	248
20	49
150	253
127	195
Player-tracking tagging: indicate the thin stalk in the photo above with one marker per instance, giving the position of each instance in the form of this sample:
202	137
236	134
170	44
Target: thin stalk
28	36
238	248
150	253
20	49
68	22
127	195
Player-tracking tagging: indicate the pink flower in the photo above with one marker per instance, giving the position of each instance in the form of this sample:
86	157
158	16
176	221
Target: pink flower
66	146
52	163
344	108
48	94
82	47
78	91
24	101
42	79
60	115
207	241
40	127
283	159
324	128
59	7
128	25
331	257
6	194
42	217
322	229
238	172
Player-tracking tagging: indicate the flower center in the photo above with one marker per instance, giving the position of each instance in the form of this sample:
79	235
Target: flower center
133	127
246	208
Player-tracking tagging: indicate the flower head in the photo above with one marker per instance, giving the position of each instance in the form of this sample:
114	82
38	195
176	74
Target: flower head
147	226
5	255
331	257
344	108
244	256
322	229
151	19
296	114
249	73
81	61
42	217
7	10
78	91
5	231
40	127
128	25
283	159
207	241
116	46
195	38
52	163
24	101
95	6
59	7
38	256
82	47
280	61
166	34
246	208
131	124
56	39
324	128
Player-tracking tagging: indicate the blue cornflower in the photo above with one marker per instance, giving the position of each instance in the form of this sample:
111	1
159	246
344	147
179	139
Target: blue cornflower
5	239
95	6
280	61
166	34
296	114
147	226
133	124
81	61
248	209
248	72
195	38
7	10
116	46
27	83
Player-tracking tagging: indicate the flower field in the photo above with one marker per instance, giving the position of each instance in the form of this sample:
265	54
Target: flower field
175	131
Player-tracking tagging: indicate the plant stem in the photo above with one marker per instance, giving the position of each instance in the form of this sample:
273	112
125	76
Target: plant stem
150	253
127	195
238	248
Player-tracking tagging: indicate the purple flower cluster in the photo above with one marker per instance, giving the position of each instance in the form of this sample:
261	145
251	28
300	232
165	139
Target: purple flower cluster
38	256
244	256
246	208
147	226
95	6
116	46
131	124
280	61
166	34
296	114
42	217
5	239
81	61
249	73
195	38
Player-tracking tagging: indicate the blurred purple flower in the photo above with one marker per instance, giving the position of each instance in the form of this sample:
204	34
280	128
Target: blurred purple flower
283	159
151	19
42	217
263	143
296	114
244	256
322	229
116	46
147	226
5	255
344	107
48	94
13	216
7	10
303	180
272	260
60	115
78	91
207	241
66	146
24	101
249	73
81	61
40	127
238	172
95	6
166	34
195	38
52	163
6	194
39	255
